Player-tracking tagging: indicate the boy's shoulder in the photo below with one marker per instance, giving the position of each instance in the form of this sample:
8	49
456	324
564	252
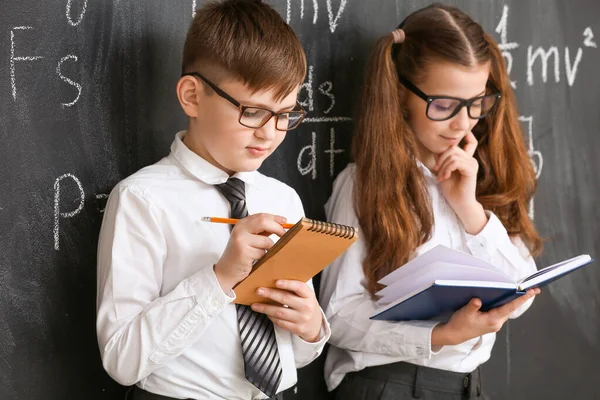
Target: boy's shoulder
166	174
160	175
274	185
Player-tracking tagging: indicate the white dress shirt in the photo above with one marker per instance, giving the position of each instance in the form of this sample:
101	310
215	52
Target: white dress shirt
163	320
358	342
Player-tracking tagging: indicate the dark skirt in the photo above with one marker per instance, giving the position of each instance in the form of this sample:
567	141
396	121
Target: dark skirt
402	380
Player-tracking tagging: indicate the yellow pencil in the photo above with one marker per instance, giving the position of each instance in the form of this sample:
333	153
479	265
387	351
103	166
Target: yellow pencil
233	221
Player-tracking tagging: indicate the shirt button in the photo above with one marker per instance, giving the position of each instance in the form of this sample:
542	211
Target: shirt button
216	303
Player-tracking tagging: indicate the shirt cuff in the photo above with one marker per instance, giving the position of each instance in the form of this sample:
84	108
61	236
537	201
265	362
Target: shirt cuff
308	351
413	340
486	243
437	348
422	338
209	293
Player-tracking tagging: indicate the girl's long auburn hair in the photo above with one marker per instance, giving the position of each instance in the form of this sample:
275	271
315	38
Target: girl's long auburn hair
391	196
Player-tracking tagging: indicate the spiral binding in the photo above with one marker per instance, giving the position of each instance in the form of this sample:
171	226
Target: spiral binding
329	228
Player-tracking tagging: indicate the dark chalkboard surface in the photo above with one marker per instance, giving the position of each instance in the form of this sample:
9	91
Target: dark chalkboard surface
87	97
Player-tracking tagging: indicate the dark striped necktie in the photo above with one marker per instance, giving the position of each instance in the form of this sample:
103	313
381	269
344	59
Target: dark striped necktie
259	345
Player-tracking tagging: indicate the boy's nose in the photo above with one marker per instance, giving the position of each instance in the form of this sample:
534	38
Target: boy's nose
267	131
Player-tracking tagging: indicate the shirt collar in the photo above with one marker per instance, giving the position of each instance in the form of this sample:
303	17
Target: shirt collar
202	169
426	172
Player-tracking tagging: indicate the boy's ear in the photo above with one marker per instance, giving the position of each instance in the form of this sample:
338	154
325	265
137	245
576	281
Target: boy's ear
189	91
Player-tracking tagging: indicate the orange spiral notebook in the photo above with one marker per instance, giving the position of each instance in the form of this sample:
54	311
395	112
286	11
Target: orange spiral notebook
301	253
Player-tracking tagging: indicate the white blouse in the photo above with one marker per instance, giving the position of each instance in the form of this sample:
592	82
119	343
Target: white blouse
358	342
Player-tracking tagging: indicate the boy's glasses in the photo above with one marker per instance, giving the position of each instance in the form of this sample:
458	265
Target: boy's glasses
442	108
257	117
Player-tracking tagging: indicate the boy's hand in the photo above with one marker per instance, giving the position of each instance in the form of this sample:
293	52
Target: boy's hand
468	322
302	316
248	242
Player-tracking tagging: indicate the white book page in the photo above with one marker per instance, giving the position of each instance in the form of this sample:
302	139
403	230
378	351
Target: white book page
483	284
554	270
438	253
439	271
383	307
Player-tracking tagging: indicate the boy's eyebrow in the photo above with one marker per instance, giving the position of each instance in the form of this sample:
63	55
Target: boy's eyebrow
260	105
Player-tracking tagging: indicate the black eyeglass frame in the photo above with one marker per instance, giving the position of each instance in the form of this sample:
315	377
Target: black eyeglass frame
462	102
242	108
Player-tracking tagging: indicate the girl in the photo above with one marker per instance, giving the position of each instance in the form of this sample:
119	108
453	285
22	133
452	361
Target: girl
439	159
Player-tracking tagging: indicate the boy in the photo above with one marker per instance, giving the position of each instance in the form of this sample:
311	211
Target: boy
166	319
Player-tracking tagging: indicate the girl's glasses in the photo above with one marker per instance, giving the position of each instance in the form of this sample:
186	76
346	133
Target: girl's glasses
441	108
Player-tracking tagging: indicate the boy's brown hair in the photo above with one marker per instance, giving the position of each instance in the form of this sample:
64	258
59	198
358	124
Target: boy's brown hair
246	40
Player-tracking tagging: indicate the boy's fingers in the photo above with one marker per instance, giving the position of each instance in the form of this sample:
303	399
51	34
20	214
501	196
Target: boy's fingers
284	297
279	312
282	323
260	242
280	220
298	287
260	223
255	254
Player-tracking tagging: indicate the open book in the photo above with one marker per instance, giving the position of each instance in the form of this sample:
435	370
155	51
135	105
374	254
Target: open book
301	253
442	280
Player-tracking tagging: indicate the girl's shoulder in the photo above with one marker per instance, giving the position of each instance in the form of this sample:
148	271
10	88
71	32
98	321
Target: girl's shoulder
343	185
342	196
345	178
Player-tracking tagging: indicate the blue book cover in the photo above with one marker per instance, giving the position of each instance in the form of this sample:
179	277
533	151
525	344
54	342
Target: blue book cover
440	298
414	294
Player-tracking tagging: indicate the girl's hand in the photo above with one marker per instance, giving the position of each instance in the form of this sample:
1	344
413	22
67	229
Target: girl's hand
456	169
468	322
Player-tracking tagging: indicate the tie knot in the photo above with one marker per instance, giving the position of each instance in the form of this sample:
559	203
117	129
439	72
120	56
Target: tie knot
235	193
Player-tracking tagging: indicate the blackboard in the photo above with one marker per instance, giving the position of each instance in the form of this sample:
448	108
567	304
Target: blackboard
87	98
